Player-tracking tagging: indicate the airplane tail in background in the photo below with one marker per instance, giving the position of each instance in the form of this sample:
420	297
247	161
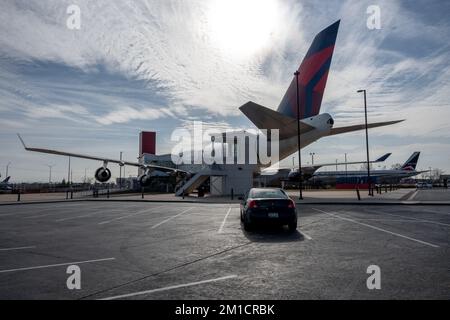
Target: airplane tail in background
411	163
6	180
313	74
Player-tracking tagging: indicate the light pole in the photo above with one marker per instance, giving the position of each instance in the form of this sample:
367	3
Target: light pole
7	169
296	73
50	166
345	167
68	173
367	141
120	170
312	158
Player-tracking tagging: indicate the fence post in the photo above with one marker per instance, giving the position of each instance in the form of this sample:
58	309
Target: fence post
18	196
232	193
71	194
357	193
142	192
107	194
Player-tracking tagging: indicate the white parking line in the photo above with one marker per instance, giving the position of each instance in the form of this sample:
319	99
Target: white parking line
172	217
412	195
305	235
55	265
131	215
17	248
412	218
438	212
77	217
224	220
169	288
379	229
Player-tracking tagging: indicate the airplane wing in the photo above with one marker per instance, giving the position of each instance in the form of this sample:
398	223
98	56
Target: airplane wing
83	156
361	127
380	159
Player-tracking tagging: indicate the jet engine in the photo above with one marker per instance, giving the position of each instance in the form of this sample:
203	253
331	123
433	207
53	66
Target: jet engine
102	174
145	180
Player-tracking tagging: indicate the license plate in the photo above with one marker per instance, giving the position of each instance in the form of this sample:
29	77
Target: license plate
273	214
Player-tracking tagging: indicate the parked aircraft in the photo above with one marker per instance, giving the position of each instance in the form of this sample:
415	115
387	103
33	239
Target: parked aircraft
313	125
408	169
5	185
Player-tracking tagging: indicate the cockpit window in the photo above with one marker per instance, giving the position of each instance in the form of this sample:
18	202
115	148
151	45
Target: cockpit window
330	121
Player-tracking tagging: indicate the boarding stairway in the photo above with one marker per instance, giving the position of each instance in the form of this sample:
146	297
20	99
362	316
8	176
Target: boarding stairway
196	180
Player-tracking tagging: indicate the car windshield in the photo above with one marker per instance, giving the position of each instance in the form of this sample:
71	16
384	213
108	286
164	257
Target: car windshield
267	193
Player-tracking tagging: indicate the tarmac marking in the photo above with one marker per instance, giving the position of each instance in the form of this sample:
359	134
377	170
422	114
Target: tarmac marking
172	217
89	214
77	217
412	218
439	212
58	208
412	195
17	248
130	215
41	215
305	235
377	228
224	220
55	265
184	285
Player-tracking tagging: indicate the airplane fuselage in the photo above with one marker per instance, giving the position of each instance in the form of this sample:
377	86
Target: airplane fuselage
380	176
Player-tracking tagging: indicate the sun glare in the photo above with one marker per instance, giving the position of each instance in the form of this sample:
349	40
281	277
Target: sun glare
242	27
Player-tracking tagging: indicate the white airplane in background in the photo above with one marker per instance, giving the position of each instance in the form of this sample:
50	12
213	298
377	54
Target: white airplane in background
313	74
408	169
5	185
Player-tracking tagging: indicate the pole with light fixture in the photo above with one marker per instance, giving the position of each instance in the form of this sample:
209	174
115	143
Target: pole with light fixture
367	142
296	73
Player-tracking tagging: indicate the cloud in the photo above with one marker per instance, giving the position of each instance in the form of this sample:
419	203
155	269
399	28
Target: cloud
125	114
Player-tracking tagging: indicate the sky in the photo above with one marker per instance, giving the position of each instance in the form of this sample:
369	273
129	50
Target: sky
159	65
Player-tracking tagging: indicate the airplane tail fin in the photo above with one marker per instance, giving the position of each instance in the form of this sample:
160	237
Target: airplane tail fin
411	163
384	157
313	74
6	180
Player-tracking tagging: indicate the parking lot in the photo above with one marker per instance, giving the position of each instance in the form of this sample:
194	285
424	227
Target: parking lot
138	250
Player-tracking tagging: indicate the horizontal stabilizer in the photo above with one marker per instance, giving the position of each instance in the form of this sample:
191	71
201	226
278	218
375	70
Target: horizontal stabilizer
361	127
265	118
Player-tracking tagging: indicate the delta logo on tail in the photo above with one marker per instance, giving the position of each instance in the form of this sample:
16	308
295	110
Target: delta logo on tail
313	75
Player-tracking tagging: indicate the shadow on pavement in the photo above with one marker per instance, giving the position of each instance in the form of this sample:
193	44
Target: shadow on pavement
272	234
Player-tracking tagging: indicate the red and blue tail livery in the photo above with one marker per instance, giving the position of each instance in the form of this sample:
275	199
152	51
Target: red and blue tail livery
313	76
